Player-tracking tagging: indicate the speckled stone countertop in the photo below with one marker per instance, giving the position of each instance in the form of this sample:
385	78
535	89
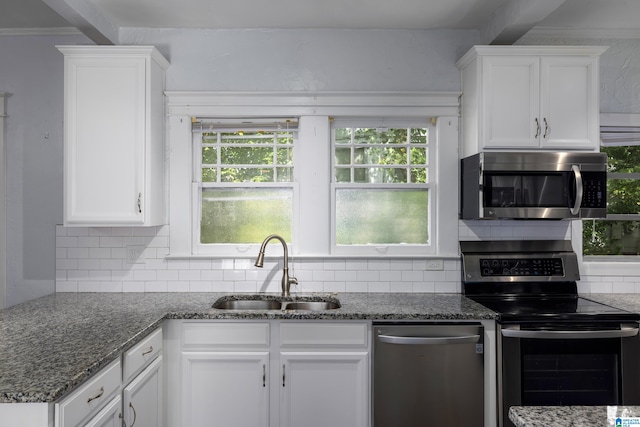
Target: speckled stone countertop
50	345
629	302
570	416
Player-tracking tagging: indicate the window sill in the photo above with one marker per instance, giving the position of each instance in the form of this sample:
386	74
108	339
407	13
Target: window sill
606	266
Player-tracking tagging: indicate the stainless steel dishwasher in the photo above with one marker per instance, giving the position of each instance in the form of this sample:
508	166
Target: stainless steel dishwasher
428	375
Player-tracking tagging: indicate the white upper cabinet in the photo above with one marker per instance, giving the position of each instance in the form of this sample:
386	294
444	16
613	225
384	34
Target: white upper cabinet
114	151
530	98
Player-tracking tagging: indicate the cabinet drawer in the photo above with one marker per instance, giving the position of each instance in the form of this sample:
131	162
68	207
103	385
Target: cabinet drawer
203	336
136	358
90	397
348	334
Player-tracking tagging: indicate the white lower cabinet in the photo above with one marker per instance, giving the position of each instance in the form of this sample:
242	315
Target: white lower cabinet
272	373
142	398
127	393
321	389
228	387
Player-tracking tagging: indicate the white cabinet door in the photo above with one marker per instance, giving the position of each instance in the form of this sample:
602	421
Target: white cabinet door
511	88
569	103
143	397
321	389
109	416
113	135
225	388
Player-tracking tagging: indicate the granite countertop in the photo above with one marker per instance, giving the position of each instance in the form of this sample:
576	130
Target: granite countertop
570	416
629	302
50	345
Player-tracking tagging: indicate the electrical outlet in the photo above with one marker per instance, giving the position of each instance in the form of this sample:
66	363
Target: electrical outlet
435	264
135	255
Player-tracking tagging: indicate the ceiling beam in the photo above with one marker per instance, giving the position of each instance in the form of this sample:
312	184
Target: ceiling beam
84	15
515	18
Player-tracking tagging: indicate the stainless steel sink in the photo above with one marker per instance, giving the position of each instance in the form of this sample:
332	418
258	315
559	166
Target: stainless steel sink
242	304
270	302
310	305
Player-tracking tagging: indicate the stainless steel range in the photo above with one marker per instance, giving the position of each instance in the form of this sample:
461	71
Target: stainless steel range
554	347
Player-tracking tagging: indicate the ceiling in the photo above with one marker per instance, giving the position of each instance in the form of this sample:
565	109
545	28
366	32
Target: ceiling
499	21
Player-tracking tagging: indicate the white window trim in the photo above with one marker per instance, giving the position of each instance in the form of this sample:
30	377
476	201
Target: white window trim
314	109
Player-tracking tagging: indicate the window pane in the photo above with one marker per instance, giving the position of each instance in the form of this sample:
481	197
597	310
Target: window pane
623	159
381	217
623	196
209	174
245	215
342	156
343	175
246	175
209	156
601	237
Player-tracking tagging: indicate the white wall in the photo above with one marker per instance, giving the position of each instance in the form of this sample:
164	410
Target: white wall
235	60
31	75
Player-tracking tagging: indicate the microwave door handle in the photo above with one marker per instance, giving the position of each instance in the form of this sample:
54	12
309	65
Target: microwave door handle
575	210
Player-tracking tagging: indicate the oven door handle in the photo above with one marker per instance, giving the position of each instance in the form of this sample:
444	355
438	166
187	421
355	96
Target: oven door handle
623	332
393	339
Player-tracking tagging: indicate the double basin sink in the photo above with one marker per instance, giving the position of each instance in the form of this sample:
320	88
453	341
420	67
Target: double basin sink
273	302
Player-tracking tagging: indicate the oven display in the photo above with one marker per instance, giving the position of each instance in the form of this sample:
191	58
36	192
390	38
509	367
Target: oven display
521	267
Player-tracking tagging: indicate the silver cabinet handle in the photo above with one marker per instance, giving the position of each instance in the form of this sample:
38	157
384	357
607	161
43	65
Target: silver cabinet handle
575	210
264	375
615	333
139	202
150	350
537	128
546	128
135	416
97	396
391	339
283	375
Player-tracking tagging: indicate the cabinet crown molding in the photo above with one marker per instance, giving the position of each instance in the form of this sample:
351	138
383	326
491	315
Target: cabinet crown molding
476	51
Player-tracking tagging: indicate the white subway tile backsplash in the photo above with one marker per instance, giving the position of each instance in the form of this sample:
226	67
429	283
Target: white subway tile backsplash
95	260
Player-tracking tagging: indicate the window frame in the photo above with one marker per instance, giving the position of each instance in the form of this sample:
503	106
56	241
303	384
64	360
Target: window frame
314	111
611	265
222	249
430	186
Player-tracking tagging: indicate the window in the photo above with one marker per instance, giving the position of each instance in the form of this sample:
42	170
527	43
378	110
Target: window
381	186
244	177
619	234
233	182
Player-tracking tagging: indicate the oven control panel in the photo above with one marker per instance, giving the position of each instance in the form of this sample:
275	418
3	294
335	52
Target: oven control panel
533	267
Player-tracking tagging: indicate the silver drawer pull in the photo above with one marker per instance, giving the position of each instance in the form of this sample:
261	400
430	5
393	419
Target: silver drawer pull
150	350
97	396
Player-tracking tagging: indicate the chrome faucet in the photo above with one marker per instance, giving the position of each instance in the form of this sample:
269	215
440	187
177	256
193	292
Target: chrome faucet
286	280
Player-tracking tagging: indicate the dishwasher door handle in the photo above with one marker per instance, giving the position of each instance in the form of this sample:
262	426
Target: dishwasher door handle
392	339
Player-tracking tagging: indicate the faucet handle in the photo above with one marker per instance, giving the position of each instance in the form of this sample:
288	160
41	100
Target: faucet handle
293	280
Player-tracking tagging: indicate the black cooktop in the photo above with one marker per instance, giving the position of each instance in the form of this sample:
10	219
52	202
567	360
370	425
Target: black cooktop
554	308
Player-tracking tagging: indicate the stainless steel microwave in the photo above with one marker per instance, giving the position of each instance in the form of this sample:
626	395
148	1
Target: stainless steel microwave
540	185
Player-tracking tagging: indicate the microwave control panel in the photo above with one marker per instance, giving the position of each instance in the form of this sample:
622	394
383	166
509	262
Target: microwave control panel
521	267
594	193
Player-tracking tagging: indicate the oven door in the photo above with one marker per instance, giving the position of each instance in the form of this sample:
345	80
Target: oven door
568	364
